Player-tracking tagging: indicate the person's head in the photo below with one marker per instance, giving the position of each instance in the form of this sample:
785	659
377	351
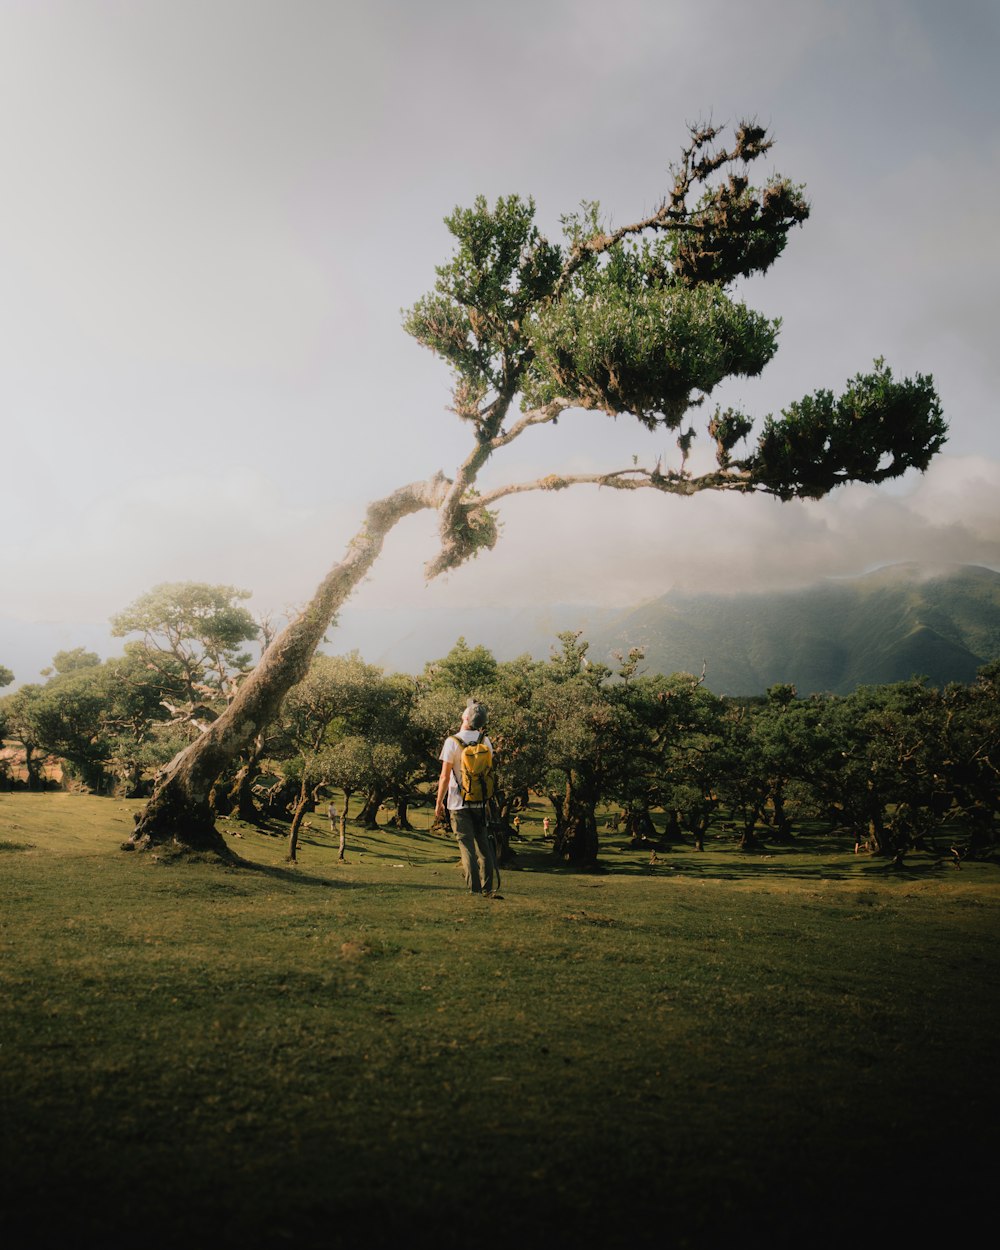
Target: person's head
474	716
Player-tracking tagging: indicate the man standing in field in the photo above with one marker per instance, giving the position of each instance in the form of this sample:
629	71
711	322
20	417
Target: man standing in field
468	816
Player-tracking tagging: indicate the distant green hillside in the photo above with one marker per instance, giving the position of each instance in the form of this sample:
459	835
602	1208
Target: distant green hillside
890	625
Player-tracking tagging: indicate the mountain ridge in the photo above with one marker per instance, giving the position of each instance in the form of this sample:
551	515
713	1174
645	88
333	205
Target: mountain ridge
896	622
885	626
942	622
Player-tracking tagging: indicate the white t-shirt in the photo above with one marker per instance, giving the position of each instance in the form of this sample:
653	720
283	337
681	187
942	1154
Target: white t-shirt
452	753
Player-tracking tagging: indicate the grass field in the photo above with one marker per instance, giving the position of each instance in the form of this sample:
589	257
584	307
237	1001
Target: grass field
791	1049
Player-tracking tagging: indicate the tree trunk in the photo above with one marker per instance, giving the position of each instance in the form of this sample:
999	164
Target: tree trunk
697	821
639	827
129	781
277	799
241	791
31	767
219	798
560	806
338	822
576	834
343	826
781	824
301	807
402	812
749	841
580	840
178	812
880	840
982	830
368	816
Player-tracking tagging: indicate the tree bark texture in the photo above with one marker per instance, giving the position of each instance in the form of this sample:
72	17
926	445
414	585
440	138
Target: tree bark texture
342	849
576	833
241	791
368	816
179	813
301	807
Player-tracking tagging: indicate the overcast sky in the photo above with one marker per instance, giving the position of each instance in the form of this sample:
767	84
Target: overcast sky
214	210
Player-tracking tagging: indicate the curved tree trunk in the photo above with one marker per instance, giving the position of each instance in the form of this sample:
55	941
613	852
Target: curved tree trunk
241	791
304	803
368	816
179	812
560	805
639	827
31	767
400	819
342	850
749	839
781	824
576	832
696	822
880	839
580	840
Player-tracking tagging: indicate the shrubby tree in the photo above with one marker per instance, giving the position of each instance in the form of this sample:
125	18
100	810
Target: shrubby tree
674	757
72	661
192	635
767	749
583	731
783	740
969	766
744	780
347	765
105	721
518	737
140	733
874	764
398	760
6	677
334	689
21	723
636	320
343	700
465	672
66	721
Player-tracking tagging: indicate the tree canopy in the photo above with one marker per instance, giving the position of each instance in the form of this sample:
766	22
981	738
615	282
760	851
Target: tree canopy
636	320
641	321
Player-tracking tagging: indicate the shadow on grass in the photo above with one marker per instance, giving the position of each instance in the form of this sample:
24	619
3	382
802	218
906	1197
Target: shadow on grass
805	859
290	874
294	875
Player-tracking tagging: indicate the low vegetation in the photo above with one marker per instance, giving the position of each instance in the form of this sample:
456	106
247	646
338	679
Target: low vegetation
689	1047
900	768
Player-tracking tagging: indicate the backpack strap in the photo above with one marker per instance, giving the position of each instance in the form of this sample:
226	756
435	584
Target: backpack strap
456	767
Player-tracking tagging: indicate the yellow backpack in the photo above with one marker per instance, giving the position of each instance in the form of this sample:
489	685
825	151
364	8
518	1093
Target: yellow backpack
476	782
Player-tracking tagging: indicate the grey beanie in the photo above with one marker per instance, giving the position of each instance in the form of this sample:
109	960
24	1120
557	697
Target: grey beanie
475	714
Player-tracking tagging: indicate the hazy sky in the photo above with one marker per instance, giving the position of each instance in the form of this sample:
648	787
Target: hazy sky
214	211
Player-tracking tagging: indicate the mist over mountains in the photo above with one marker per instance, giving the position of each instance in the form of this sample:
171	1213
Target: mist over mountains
889	625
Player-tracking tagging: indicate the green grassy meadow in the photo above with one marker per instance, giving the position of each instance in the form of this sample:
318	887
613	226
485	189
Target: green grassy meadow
796	1048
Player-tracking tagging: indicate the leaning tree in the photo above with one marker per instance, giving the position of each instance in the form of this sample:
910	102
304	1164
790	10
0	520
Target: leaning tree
639	319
